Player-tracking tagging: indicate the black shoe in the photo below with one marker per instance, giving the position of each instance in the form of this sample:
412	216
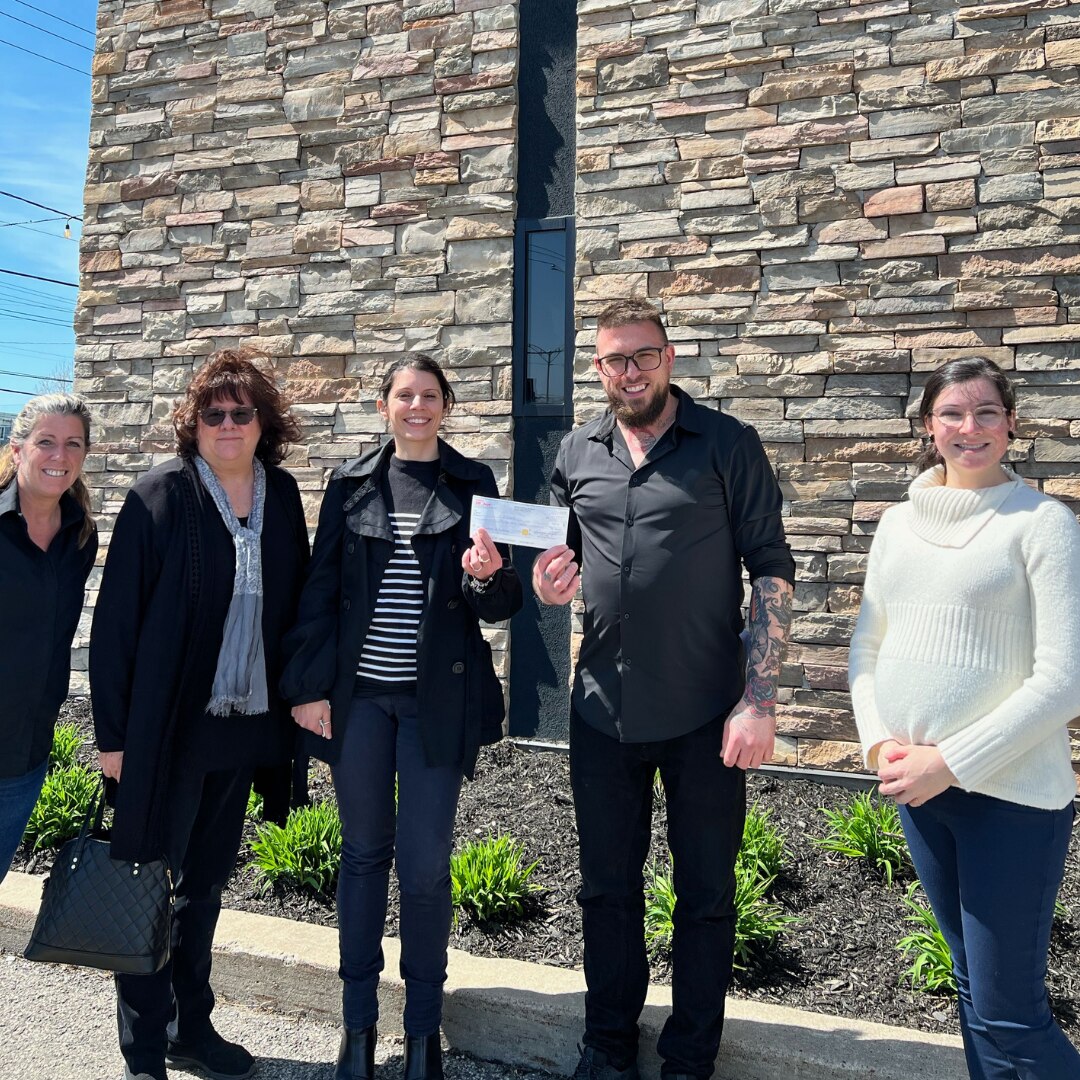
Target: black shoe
213	1056
423	1058
356	1056
596	1065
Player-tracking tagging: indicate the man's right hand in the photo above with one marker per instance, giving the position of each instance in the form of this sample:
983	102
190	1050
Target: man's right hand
555	576
111	762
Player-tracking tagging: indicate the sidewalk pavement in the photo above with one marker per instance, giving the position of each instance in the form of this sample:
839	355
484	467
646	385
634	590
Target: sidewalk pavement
527	1014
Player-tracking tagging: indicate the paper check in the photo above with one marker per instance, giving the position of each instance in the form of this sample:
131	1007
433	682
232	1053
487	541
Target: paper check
511	522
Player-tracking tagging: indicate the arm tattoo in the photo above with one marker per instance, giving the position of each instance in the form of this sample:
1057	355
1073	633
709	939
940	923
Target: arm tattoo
770	622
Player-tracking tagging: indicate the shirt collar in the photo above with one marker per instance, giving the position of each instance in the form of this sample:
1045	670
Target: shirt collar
686	417
70	511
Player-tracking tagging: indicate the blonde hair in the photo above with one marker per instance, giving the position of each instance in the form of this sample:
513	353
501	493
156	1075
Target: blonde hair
29	414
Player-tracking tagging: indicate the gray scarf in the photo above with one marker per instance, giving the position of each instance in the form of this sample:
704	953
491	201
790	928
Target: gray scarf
240	679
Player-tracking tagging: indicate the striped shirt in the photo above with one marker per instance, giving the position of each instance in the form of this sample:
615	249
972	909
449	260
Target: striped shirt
388	658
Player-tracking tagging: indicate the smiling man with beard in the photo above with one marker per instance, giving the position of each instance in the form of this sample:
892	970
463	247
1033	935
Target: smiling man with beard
669	500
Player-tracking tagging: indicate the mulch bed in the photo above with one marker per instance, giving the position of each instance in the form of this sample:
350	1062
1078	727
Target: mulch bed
840	958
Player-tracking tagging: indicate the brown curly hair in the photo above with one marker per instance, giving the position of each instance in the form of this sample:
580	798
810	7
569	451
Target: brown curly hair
234	374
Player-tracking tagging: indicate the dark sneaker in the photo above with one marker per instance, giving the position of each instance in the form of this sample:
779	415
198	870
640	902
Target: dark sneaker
213	1056
596	1065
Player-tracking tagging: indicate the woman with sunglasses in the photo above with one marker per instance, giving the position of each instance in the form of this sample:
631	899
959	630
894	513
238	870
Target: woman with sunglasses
392	679
201	582
965	672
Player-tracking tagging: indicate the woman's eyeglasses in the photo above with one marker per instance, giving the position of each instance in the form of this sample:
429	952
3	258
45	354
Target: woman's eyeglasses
986	416
242	415
615	364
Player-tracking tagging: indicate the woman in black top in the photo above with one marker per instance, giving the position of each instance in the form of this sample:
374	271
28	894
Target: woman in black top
47	546
201	582
389	673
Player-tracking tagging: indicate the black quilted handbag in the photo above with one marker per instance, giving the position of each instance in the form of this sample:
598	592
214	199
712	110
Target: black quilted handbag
101	912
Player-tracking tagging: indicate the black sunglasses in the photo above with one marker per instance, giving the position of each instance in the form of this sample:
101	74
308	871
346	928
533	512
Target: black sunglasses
242	415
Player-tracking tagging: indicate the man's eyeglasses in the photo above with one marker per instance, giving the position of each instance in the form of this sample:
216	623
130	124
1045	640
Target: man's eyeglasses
242	415
986	416
615	364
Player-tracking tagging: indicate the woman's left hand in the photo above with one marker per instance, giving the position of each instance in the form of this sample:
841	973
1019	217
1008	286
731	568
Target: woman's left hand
913	775
483	558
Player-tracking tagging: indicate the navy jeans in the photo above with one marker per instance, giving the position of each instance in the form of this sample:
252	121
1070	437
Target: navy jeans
382	737
992	870
18	794
203	832
706	807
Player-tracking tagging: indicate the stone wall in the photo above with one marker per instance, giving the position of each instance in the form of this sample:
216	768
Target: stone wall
830	198
330	182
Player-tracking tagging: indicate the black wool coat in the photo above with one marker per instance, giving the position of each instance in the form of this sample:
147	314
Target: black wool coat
459	698
158	626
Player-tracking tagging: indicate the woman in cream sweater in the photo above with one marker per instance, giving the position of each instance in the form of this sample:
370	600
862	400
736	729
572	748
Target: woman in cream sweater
965	671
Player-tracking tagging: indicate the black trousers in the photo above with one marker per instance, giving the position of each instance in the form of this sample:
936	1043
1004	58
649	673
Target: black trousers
206	820
706	807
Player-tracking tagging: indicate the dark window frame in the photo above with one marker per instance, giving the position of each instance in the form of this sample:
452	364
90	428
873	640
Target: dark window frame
524	229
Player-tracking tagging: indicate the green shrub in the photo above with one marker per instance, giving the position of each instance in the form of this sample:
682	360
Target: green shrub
304	853
659	907
869	830
762	850
489	881
932	969
66	744
758	920
61	807
254	805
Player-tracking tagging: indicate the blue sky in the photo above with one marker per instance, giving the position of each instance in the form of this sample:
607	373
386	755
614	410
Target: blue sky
44	126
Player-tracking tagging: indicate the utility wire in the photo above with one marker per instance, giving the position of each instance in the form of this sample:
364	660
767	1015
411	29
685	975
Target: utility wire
33	375
31	221
12	390
34	26
58	344
34	277
41	56
42	11
18	316
41	206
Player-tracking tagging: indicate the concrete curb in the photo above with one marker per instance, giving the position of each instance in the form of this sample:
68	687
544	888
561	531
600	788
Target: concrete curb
530	1014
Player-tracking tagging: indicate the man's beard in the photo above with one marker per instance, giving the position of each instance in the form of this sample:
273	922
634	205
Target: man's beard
641	416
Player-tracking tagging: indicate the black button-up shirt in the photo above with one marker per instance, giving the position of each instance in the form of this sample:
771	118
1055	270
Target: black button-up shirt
661	549
41	598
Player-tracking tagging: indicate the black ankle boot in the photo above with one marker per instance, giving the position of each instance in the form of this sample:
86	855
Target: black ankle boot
423	1058
356	1057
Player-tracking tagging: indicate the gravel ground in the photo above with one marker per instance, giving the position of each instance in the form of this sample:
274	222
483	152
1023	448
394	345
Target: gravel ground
59	1022
840	958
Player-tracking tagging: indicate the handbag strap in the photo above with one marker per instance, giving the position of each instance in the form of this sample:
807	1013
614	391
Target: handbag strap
95	814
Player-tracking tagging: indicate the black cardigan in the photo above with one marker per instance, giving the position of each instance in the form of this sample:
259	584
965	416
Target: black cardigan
157	631
458	693
41	596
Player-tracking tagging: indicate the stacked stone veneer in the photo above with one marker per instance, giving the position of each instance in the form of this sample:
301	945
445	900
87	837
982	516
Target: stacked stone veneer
830	198
332	182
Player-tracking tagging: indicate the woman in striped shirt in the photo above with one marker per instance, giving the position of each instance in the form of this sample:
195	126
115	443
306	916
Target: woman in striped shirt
390	675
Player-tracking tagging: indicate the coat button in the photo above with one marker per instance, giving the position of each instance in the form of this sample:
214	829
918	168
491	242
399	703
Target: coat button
351	548
346	604
451	604
458	668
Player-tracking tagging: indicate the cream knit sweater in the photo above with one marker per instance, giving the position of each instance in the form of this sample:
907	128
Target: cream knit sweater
968	637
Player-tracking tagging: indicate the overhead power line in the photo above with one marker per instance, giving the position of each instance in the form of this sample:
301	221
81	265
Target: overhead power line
42	11
34	375
41	206
35	277
12	390
41	29
42	56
